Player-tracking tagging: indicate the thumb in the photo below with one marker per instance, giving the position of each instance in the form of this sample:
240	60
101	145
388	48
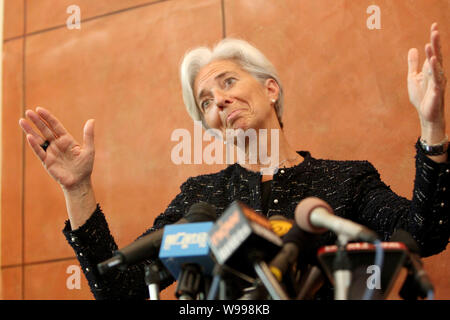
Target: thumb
413	61
88	135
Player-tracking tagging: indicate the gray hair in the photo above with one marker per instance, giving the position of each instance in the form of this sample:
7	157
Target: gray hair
241	52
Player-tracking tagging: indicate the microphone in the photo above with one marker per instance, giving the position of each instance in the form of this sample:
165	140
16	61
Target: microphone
417	282
281	226
147	247
186	254
295	241
243	239
240	232
315	215
186	243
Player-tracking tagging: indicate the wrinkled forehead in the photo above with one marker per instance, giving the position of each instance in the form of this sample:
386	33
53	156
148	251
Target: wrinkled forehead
209	73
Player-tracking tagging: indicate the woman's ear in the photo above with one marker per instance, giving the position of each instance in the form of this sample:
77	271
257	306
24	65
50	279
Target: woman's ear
272	89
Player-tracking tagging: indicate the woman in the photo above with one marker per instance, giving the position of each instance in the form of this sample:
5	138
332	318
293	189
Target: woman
235	87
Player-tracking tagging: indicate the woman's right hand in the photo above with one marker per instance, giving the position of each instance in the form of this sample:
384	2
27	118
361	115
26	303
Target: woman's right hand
68	162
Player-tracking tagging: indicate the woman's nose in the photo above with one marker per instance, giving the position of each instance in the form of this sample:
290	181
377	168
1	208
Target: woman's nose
222	100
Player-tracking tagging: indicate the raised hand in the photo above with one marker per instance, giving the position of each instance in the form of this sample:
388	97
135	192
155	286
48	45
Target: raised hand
68	162
427	88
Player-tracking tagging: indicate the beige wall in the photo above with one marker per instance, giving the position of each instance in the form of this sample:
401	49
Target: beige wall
346	98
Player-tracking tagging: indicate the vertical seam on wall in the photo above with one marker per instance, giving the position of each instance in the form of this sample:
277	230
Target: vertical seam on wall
224	31
23	143
2	6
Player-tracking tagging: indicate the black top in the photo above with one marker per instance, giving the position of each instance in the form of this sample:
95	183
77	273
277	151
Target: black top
265	197
352	188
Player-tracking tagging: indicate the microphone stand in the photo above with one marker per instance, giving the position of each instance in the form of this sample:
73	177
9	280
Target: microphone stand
221	282
217	271
267	278
218	284
152	279
312	281
341	270
189	282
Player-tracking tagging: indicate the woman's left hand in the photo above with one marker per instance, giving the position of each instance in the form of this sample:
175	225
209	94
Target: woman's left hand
426	89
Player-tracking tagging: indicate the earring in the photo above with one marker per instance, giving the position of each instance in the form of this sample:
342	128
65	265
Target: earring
273	100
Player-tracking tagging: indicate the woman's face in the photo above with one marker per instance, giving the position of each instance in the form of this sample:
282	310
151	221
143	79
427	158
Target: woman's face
231	98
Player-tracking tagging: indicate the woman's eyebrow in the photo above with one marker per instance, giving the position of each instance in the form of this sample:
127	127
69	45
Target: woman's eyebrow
219	76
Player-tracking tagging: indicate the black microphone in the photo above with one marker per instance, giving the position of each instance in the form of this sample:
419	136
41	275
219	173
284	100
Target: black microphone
294	242
417	282
242	239
147	247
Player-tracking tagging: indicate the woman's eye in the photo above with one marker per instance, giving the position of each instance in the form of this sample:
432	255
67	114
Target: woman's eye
229	81
205	103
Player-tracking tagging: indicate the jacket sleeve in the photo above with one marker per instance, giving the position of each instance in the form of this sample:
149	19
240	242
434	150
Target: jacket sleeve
426	216
93	243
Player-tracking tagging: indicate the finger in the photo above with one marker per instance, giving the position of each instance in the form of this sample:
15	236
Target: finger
439	79
427	64
54	123
436	67
429	51
433	70
88	135
413	61
26	127
36	147
436	42
41	125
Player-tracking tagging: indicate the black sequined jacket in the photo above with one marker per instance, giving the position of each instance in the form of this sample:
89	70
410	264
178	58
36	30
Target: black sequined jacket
352	188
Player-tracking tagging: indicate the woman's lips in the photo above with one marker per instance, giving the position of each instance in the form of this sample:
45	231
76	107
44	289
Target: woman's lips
233	115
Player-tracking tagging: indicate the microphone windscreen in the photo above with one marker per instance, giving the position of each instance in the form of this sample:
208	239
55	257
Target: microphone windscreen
200	212
304	210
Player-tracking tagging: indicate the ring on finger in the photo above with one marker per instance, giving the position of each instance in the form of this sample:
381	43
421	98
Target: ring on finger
45	145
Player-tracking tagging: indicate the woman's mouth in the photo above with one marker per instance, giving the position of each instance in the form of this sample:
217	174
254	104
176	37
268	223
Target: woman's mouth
233	116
